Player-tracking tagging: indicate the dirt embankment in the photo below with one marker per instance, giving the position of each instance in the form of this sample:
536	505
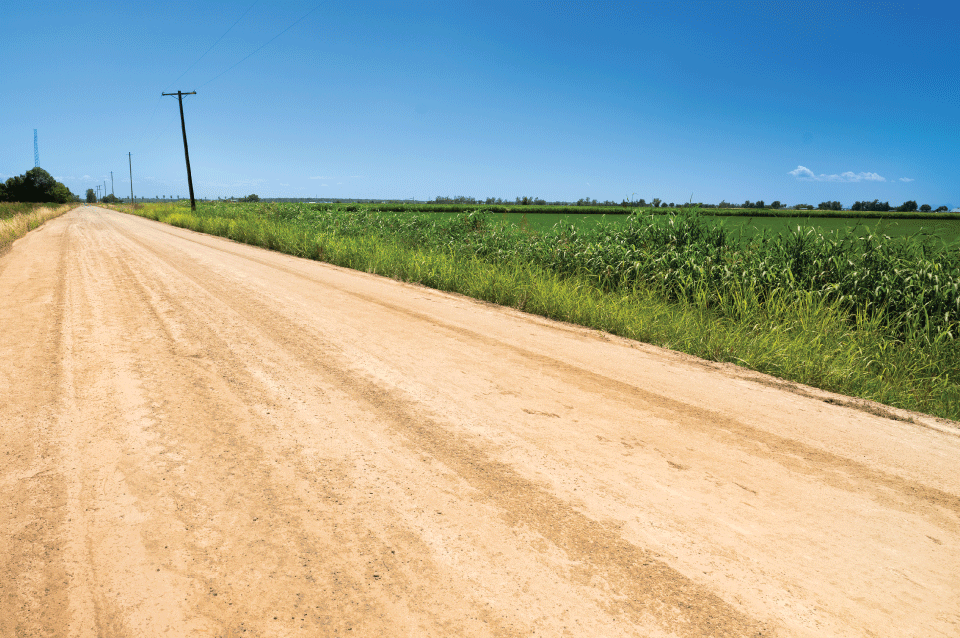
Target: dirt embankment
203	438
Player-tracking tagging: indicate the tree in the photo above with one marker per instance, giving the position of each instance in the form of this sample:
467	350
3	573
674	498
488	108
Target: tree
775	204
110	199
830	206
37	185
907	206
925	208
656	202
875	205
942	209
252	197
91	196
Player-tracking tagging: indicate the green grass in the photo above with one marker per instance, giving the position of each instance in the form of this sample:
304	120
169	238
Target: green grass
869	316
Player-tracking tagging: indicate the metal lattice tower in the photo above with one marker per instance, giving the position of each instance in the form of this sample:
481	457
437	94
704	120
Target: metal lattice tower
36	150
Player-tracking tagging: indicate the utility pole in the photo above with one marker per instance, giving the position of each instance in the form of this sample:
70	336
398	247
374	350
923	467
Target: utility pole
98	192
111	183
186	152
130	160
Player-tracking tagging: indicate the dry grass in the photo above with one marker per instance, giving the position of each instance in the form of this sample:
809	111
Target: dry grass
16	226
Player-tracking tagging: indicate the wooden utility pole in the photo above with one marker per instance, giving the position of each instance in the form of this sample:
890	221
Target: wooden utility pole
130	160
186	152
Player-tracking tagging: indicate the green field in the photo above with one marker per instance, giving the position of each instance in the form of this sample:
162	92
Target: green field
945	232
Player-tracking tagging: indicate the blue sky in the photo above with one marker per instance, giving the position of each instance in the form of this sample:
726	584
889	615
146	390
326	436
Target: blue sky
797	102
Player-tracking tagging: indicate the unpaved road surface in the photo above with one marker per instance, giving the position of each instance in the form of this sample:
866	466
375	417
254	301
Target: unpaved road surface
201	438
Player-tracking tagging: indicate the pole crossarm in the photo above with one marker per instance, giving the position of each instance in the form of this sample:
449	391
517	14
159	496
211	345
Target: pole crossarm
186	152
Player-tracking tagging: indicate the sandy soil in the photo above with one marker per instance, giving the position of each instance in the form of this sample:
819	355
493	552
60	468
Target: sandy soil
200	438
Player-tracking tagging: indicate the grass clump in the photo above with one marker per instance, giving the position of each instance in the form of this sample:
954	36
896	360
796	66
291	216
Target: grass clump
17	219
869	316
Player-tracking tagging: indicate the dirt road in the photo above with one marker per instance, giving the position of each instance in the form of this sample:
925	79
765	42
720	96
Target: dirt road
201	438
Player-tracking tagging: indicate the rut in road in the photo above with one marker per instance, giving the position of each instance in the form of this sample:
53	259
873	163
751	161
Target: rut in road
210	439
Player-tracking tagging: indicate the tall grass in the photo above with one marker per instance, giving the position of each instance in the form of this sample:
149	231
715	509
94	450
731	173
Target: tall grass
869	317
17	219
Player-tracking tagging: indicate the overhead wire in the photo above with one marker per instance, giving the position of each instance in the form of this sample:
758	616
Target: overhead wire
149	122
263	45
214	44
155	106
236	64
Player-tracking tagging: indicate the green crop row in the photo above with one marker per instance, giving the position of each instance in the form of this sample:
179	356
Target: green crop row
869	316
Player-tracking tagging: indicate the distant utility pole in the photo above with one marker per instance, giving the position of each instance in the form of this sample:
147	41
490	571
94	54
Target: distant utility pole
98	192
36	150
130	160
186	152
111	183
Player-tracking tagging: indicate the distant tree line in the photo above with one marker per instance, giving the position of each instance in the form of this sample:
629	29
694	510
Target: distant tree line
36	185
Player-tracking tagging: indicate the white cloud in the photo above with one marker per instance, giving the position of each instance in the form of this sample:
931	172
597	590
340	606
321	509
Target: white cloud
805	174
321	177
906	179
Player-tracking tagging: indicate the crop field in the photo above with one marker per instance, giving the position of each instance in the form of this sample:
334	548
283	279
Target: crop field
945	232
865	314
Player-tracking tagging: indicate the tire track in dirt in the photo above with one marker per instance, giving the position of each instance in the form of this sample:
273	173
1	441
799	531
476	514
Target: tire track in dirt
646	585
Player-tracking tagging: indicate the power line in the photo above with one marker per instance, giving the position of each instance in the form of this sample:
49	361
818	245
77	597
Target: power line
149	122
186	152
155	106
264	44
214	44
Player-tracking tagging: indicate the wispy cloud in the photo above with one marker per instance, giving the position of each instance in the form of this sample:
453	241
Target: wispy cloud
332	177
805	174
906	179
